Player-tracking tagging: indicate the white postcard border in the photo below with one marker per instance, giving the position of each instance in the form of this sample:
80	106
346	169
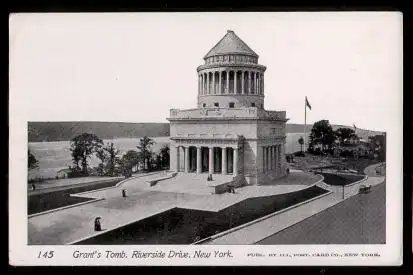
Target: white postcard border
22	254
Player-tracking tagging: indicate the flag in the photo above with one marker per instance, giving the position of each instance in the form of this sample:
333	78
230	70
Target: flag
307	103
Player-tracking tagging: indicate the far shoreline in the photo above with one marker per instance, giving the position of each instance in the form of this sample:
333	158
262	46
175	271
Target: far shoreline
50	141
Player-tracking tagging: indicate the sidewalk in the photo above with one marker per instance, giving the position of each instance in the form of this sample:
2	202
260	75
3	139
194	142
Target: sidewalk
265	228
63	184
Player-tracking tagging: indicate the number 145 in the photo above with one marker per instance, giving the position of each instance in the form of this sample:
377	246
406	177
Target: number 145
45	254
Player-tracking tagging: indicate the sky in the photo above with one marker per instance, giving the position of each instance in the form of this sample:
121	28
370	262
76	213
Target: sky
135	67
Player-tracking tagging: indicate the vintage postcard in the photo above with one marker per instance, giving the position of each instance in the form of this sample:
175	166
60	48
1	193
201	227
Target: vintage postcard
206	139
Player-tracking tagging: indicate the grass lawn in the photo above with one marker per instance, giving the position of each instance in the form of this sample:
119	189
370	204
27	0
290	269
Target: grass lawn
52	200
360	164
333	179
311	161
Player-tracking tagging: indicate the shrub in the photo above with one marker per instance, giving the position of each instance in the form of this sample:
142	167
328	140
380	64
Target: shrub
346	154
299	154
76	173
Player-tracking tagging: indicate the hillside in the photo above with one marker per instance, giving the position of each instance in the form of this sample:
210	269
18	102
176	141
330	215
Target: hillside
59	131
362	133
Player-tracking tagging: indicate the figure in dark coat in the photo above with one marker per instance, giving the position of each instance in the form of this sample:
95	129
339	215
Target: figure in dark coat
98	227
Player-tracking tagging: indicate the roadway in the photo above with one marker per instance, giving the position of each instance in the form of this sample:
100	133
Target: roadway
360	219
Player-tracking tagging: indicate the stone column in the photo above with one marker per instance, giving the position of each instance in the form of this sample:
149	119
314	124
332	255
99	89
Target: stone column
224	160
220	83
255	83
262	86
213	83
275	159
278	159
264	157
211	160
282	154
202	84
207	86
249	82
198	160
242	82
258	84
235	166
252	82
199	84
227	92
186	159
270	158
177	159
235	82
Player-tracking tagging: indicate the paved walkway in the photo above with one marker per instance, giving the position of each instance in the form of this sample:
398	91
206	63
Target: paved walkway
76	223
53	184
371	170
267	227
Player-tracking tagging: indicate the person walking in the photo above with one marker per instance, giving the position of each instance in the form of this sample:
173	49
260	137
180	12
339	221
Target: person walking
98	226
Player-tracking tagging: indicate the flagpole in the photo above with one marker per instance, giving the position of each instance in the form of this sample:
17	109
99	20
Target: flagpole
305	122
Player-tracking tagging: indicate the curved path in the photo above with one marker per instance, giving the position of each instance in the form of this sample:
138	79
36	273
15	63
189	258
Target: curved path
371	170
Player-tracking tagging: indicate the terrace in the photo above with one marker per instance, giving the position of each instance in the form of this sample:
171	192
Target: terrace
226	113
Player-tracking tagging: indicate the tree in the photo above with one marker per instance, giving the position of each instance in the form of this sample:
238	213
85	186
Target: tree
344	133
158	161
301	142
125	166
102	156
165	156
32	162
145	151
111	153
132	158
322	133
82	147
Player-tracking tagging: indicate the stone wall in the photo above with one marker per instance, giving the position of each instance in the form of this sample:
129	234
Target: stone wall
267	128
248	129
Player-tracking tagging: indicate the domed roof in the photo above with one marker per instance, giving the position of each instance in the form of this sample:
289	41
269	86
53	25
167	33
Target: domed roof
230	44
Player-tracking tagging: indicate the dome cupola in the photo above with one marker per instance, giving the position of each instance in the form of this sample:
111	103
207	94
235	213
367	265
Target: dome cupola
231	76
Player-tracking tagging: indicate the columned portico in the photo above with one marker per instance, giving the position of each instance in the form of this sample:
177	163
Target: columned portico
211	159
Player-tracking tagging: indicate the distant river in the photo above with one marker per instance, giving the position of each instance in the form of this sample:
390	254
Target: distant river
55	156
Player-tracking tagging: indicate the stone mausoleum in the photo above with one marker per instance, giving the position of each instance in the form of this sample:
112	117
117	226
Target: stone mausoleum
229	132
